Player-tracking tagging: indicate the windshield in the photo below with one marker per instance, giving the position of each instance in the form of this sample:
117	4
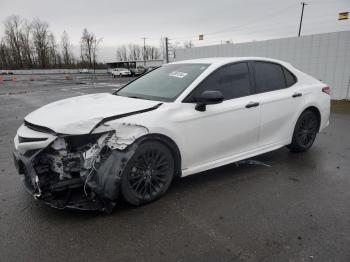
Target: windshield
163	84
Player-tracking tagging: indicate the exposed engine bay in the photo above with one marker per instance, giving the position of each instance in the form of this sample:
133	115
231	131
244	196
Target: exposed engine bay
79	171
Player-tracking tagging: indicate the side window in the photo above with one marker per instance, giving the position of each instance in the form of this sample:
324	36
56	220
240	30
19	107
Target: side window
231	80
290	78
268	77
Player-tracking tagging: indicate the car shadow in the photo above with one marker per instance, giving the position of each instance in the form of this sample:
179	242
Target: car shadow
234	173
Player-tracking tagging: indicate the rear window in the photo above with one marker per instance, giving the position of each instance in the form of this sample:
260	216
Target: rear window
268	76
290	78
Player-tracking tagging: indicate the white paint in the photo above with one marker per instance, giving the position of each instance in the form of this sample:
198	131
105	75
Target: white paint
125	134
224	133
78	115
24	131
120	72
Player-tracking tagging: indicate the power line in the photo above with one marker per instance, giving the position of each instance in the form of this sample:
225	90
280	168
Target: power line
268	28
268	16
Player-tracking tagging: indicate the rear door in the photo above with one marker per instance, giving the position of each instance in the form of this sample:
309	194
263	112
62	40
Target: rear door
280	100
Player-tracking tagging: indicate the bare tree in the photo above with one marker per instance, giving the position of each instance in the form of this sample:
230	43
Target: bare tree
162	48
66	48
122	54
12	33
5	59
54	57
188	44
26	44
41	42
95	45
152	52
88	48
134	52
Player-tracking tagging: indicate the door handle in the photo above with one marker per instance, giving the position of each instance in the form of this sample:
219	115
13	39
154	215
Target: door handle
252	104
297	95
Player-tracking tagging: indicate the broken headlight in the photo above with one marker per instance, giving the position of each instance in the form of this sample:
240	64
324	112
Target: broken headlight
70	158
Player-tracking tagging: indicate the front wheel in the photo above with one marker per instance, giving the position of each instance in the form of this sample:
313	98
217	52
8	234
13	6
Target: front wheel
148	174
305	132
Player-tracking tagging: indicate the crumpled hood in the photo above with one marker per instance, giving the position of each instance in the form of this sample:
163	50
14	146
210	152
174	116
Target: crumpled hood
79	115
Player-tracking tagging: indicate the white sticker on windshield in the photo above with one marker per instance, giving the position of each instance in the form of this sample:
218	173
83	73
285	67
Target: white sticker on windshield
178	74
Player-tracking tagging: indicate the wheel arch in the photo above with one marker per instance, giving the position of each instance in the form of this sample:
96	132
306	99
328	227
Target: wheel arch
317	113
170	144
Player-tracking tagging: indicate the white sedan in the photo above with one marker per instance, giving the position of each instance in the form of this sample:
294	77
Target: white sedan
120	72
177	120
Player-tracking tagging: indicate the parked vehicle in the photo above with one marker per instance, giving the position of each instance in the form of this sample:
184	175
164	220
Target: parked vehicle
138	71
177	120
150	68
6	72
120	72
83	71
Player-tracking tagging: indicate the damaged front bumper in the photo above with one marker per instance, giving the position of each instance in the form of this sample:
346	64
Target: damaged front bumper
78	172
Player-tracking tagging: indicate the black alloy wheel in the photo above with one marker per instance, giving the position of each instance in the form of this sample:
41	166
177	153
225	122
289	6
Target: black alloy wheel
305	131
148	174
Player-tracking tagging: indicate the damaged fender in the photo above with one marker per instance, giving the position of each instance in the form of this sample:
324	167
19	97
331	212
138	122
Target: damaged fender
81	172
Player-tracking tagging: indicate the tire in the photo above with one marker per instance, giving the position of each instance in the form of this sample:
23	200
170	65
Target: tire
148	174
305	131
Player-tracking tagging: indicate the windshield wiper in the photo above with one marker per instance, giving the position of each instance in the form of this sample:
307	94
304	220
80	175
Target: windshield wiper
137	97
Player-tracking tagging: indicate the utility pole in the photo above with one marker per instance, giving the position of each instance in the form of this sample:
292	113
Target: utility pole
301	17
144	50
166	50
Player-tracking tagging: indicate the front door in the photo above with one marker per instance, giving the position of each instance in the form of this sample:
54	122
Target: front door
225	129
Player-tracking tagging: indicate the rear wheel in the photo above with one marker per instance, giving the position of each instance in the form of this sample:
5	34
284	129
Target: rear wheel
148	174
305	131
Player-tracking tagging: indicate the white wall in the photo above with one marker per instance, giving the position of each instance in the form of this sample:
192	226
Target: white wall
158	62
324	56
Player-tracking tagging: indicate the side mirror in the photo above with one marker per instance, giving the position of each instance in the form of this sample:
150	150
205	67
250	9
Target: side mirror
208	98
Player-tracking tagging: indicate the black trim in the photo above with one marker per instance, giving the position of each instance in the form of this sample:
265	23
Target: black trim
251	77
297	95
252	104
38	128
285	78
110	118
30	139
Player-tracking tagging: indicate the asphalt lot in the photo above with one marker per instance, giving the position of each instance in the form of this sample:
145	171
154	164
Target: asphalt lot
296	210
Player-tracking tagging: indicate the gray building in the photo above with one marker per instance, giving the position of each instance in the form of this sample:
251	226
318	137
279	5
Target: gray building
324	56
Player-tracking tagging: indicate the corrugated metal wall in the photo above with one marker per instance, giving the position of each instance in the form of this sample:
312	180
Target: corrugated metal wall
324	56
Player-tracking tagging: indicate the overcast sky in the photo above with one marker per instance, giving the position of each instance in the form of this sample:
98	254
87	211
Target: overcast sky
119	22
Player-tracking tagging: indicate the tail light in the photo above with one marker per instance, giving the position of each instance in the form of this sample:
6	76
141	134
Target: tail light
326	90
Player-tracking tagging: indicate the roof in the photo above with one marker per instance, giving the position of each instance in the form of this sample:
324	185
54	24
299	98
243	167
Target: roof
225	60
